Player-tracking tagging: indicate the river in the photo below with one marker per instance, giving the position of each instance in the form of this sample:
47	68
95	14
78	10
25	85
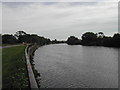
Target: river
66	66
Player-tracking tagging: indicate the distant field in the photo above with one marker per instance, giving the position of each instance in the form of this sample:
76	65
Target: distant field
13	67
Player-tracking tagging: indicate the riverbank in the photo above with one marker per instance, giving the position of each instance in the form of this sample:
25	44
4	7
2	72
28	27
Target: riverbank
17	64
14	71
36	77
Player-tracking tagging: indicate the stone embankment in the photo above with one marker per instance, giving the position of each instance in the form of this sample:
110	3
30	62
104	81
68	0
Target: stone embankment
32	73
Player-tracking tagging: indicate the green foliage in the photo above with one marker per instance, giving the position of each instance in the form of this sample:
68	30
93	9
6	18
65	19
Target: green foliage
57	42
89	38
22	36
14	68
92	39
20	33
72	40
100	39
8	39
116	40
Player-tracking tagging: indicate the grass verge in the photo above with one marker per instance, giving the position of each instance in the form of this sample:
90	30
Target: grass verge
14	71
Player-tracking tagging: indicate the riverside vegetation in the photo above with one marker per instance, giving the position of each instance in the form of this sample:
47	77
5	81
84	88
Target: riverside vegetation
14	68
98	39
87	39
14	63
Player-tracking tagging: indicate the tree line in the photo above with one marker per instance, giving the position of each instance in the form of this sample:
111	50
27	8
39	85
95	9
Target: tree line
87	39
95	39
21	36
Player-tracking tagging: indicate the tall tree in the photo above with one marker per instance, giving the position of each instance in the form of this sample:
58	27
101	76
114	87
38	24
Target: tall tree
116	40
19	35
100	35
89	38
8	39
72	40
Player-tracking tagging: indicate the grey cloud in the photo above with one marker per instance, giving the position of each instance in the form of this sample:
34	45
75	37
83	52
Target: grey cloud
60	20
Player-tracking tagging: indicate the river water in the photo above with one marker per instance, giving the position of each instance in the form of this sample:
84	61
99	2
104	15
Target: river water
66	66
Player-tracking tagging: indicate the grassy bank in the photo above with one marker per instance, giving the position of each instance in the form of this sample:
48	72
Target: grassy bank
10	44
0	68
13	68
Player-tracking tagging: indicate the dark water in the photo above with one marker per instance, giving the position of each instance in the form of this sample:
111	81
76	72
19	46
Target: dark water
64	66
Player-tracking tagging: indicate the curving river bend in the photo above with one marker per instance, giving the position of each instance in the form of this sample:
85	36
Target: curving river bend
65	66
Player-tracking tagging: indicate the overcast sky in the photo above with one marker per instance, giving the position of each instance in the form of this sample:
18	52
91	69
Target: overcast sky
58	20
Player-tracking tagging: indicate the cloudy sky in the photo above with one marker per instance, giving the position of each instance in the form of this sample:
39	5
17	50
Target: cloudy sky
58	20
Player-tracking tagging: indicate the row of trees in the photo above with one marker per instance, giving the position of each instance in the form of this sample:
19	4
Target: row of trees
57	42
98	39
21	36
87	39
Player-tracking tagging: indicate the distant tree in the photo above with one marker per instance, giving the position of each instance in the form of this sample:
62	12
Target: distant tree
0	39
35	38
89	38
72	40
116	40
20	36
100	35
20	33
98	39
55	41
107	41
9	39
26	38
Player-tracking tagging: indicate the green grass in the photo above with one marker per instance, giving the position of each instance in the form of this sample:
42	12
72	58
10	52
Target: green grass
14	72
9	44
0	68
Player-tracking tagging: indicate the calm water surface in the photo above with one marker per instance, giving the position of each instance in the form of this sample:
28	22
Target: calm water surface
65	66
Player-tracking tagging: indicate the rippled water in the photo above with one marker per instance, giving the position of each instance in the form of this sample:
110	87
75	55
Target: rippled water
65	66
